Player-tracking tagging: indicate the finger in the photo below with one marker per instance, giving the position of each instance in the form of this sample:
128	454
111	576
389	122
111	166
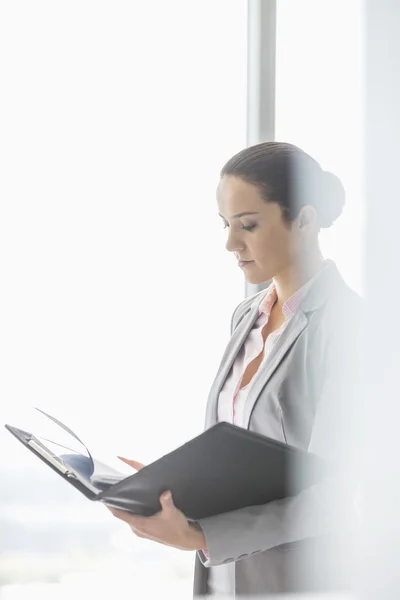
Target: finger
138	534
130	520
123	515
143	534
166	501
120	514
135	521
132	463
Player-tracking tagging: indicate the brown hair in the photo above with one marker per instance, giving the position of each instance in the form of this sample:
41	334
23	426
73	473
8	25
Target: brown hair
289	176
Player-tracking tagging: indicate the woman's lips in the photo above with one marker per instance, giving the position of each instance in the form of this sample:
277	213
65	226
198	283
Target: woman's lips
245	263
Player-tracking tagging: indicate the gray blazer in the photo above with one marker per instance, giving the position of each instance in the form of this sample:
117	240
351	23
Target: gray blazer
306	396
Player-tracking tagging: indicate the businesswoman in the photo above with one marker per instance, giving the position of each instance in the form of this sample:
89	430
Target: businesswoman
289	372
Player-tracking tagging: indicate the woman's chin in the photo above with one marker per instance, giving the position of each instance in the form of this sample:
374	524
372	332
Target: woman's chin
253	275
256	280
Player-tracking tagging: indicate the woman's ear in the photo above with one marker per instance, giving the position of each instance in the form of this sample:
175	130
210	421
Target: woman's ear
307	219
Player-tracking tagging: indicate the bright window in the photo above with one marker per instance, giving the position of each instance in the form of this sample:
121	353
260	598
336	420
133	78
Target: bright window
117	291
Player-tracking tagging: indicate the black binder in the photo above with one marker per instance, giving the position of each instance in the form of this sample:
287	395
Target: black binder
224	468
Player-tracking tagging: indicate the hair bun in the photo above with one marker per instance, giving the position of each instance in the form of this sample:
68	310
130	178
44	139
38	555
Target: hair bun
332	199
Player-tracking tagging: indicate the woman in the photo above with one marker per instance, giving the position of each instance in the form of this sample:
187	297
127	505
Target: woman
288	372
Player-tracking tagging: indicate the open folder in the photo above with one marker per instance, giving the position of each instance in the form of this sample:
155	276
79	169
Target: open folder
224	468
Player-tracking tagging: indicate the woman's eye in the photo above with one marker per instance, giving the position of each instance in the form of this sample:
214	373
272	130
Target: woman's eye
243	227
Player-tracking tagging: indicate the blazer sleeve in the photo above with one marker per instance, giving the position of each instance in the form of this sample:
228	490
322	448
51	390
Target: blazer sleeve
318	510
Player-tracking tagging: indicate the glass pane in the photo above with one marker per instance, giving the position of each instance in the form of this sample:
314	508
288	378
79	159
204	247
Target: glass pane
117	292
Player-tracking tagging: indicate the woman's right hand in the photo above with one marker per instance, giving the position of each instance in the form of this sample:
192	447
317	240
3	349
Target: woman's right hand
132	463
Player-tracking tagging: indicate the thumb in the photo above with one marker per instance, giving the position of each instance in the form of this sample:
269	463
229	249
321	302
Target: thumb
166	500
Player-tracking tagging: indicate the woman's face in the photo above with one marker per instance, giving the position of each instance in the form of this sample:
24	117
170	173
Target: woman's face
264	244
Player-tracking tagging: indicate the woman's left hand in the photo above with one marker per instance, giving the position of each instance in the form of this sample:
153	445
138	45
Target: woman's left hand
169	526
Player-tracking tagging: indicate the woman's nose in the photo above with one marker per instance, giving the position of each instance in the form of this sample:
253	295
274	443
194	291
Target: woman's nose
234	243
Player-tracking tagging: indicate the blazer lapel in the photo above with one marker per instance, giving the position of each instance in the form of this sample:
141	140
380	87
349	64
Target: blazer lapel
289	335
328	282
236	342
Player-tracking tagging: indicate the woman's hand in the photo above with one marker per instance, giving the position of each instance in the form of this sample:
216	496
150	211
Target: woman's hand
169	526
